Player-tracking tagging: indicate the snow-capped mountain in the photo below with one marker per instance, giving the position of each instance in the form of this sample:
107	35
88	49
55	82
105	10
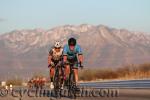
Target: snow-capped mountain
27	50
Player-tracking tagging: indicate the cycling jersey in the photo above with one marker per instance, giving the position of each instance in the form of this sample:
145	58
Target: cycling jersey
72	55
56	55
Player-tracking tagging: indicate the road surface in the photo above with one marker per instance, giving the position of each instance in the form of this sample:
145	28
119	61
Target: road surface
119	84
125	90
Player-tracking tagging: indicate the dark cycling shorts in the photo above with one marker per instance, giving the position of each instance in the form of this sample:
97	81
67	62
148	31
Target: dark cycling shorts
74	62
56	62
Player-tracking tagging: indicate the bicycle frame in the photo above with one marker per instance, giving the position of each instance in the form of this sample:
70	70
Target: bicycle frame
57	80
72	83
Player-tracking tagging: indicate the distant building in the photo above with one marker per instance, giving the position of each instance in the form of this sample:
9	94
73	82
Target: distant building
24	84
3	83
6	87
11	87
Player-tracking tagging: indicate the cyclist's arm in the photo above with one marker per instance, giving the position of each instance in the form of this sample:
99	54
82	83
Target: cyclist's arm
80	54
50	57
65	54
64	58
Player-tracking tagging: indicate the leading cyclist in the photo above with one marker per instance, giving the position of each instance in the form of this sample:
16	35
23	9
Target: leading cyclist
72	53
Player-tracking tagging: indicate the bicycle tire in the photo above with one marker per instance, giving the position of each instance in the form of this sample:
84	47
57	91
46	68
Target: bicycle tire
71	91
57	83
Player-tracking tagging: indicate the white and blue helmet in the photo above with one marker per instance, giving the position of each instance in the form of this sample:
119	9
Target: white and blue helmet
57	44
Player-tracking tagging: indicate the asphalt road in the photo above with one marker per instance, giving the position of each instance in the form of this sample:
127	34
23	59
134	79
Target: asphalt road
131	84
112	90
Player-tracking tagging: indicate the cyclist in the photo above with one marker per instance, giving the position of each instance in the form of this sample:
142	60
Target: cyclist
30	83
42	81
72	53
54	58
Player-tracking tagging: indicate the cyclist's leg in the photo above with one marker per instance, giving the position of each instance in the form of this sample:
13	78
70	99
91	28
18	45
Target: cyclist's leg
66	75
62	77
67	70
52	70
76	74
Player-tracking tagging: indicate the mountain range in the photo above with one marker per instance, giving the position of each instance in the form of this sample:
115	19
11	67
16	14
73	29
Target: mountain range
24	52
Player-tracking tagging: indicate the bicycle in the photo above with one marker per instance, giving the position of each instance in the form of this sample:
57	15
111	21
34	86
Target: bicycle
71	84
58	80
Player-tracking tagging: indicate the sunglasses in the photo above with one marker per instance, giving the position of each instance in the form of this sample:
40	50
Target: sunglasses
57	48
72	45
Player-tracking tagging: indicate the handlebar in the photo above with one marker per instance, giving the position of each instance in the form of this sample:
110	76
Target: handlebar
69	63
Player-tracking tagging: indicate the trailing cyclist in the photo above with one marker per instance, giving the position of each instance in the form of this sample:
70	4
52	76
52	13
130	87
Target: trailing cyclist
54	58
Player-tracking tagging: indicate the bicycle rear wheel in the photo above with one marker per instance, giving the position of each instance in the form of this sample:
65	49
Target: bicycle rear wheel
57	83
72	85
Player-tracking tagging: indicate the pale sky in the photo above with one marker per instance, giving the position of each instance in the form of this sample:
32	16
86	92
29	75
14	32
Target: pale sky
133	15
